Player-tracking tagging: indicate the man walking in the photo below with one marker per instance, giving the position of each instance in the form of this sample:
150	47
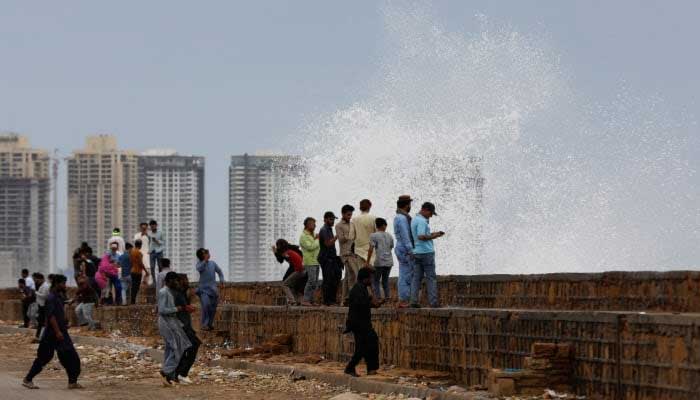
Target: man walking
404	248
170	328
207	289
364	226
424	253
360	324
345	232
142	235
328	258
55	339
310	247
156	245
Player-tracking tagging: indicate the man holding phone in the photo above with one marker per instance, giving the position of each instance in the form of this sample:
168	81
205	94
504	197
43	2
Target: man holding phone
424	254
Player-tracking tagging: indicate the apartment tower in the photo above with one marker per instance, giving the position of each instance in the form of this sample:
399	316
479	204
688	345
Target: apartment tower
25	188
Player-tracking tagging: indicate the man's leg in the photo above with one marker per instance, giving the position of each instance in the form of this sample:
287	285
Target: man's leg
135	287
289	286
126	289
360	342
376	277
44	355
383	273
312	283
406	267
88	309
346	278
213	303
372	351
417	278
431	280
204	302
117	290
79	314
25	314
154	269
68	357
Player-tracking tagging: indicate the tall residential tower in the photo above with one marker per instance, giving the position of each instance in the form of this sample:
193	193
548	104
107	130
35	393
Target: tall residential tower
25	187
171	191
260	212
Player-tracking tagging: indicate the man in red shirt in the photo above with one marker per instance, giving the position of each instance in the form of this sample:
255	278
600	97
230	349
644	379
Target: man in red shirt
283	250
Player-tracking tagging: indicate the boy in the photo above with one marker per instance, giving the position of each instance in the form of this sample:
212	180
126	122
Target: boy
55	338
381	243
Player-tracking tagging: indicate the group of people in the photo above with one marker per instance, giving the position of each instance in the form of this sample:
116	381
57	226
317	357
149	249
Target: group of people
365	256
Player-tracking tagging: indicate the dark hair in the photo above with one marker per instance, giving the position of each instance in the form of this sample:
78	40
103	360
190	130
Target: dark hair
347	208
308	219
380	222
364	273
38	275
403	203
365	205
200	253
164	263
281	245
152	222
21	281
143	223
170	276
52	277
128	246
116	230
84	245
57	279
25	271
138	243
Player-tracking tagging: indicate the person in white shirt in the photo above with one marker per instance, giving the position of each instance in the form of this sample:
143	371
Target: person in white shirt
145	247
42	293
117	238
28	281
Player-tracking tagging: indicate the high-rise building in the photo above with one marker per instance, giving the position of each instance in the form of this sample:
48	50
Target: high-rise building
260	212
171	191
25	187
102	193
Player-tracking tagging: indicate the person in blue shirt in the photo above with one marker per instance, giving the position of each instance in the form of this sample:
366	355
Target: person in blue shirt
404	248
424	254
125	278
207	289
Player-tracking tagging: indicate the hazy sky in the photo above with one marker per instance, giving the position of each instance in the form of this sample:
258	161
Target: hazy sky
222	78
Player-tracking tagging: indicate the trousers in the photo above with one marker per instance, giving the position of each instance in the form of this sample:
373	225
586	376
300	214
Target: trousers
135	286
311	283
425	266
67	356
352	264
367	347
406	266
209	302
331	280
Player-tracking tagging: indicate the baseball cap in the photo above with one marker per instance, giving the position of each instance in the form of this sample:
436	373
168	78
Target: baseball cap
329	214
429	206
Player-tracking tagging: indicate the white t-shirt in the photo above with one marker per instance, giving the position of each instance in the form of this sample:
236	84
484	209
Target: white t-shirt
29	282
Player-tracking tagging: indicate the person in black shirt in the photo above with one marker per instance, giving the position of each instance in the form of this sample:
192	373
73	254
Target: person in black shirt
360	324
55	338
331	266
183	298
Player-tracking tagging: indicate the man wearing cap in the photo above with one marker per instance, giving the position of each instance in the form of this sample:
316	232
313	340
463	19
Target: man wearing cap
328	258
118	239
404	248
424	254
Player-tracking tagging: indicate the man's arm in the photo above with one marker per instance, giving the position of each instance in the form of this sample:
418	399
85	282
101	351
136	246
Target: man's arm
219	272
54	326
308	243
201	267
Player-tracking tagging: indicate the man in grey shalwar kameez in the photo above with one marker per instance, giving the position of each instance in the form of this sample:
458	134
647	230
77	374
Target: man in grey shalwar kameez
170	327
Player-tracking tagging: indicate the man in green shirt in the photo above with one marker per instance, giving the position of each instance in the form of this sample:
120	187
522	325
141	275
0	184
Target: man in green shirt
308	241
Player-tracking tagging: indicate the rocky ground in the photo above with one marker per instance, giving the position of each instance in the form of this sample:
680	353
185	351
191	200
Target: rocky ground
109	373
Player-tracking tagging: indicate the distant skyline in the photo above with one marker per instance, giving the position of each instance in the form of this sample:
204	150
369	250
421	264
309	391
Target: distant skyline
225	78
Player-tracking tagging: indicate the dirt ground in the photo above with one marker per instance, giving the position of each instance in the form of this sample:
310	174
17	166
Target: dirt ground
111	374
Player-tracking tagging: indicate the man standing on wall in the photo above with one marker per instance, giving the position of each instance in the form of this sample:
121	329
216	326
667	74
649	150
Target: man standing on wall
364	227
424	253
207	289
145	250
404	248
345	231
156	245
308	241
138	269
328	258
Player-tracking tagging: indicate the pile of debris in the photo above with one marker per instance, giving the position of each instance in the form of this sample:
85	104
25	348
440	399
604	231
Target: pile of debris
550	366
279	344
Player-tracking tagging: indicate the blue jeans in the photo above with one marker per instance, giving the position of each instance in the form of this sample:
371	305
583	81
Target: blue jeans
381	274
126	289
155	263
425	265
311	283
406	266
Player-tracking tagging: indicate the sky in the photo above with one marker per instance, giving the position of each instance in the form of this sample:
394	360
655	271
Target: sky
223	78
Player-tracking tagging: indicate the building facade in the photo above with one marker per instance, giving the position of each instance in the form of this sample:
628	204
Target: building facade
102	193
171	191
260	212
25	189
